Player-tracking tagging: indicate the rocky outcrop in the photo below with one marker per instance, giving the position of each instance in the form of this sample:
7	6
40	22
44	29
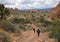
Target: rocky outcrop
33	11
56	11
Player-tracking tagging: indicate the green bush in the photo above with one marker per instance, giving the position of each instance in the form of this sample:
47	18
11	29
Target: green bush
42	19
7	26
55	30
17	30
23	28
5	37
20	20
47	22
44	15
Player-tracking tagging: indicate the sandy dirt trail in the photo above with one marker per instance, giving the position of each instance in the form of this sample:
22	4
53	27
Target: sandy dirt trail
30	36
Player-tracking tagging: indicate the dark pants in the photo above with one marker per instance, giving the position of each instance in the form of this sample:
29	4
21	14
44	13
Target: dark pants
34	30
38	34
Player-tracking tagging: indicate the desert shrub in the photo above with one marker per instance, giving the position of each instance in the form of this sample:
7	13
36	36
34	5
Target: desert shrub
7	26
41	19
5	37
17	20
20	20
33	18
23	28
18	31
27	21
55	30
43	29
44	15
47	23
44	22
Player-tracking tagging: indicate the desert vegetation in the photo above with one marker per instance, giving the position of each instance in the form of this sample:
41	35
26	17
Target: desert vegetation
15	22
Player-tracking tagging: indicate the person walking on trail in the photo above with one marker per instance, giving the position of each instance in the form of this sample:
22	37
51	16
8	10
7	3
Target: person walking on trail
38	32
34	30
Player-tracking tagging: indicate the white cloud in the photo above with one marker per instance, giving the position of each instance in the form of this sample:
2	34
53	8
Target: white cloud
28	4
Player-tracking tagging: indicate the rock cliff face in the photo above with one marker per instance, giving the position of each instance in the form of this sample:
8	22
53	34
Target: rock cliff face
56	11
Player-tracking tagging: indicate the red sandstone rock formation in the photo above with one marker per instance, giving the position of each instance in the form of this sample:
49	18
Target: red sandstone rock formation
56	11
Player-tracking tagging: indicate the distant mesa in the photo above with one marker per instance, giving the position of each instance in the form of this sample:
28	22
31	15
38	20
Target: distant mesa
39	10
33	11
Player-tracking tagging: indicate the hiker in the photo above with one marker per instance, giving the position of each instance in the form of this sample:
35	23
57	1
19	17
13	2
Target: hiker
38	32
34	30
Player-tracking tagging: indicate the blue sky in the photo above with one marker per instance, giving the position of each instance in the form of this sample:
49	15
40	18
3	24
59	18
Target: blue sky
30	4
